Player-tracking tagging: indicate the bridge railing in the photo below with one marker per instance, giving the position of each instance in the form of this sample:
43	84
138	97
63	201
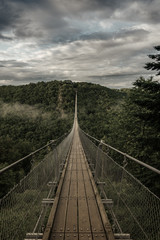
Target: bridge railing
24	208
132	207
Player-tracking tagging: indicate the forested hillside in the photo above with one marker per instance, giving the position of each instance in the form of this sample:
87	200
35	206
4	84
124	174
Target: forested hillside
31	115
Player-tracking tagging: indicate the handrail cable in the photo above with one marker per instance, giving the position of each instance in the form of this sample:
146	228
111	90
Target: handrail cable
31	154
124	154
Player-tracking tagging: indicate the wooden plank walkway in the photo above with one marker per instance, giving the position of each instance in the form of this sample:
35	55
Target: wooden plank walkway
77	212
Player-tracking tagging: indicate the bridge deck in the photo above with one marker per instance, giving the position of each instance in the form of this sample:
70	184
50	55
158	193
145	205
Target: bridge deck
77	212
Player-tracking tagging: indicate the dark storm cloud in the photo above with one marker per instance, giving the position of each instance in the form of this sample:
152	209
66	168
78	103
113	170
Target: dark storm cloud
147	10
7	16
24	18
47	19
94	40
155	16
108	3
24	30
116	3
28	1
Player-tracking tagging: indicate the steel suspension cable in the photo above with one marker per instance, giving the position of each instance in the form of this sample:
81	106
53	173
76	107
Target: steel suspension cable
31	154
124	154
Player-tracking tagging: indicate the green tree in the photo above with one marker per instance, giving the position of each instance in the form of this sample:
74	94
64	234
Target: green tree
156	64
146	94
135	129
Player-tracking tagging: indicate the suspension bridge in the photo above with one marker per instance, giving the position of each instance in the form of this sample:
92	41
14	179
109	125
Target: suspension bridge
79	192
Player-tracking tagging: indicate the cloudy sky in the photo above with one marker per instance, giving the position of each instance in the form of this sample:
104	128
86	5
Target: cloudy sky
99	41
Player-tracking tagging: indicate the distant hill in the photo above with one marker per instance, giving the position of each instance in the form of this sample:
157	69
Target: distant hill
51	102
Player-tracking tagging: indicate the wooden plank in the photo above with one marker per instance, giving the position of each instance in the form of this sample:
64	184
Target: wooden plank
79	176
85	236
73	189
74	176
65	188
99	236
74	165
84	221
69	166
71	218
81	189
71	236
79	165
96	222
89	189
84	166
59	223
86	175
57	236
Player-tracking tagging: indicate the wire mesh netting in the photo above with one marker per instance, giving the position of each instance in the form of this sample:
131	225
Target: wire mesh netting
135	210
21	210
